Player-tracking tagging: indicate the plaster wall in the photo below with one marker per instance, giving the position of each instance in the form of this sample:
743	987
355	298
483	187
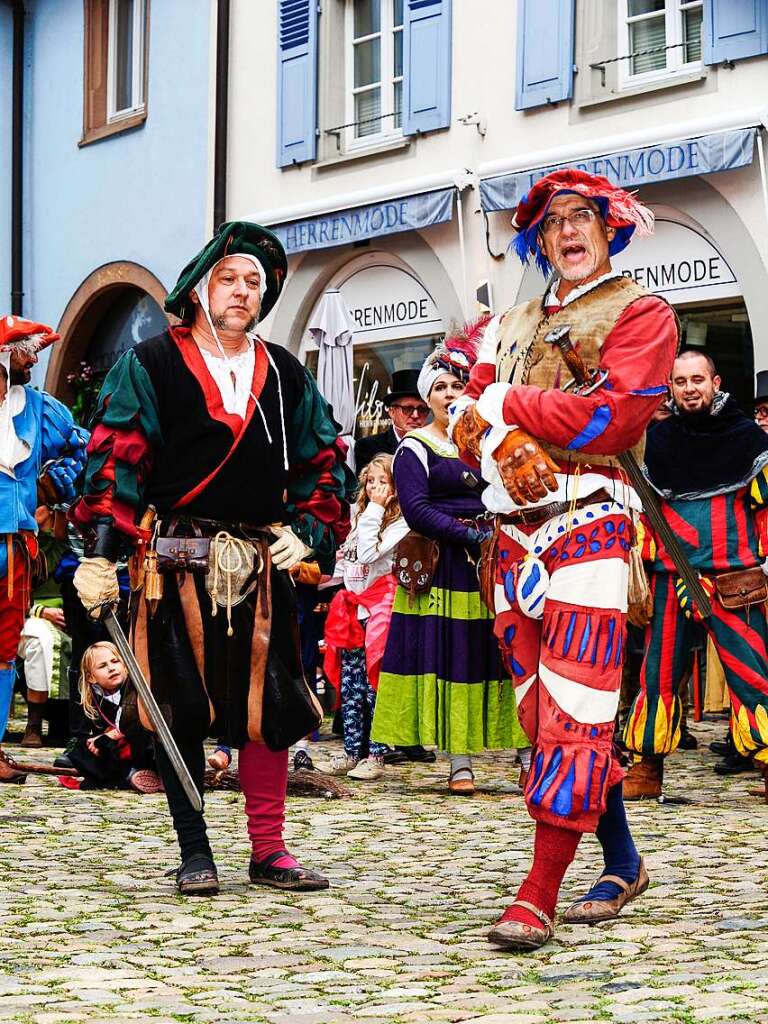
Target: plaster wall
140	196
6	65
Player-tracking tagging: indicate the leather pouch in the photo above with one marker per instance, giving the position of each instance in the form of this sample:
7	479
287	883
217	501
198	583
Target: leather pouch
415	563
743	588
182	554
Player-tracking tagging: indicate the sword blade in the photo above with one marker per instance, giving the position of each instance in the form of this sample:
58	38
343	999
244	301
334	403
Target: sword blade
152	709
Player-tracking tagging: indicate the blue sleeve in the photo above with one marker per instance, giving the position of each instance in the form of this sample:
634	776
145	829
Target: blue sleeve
62	447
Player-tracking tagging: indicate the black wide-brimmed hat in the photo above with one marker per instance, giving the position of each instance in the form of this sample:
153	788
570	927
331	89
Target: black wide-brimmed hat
404	385
761	386
236	236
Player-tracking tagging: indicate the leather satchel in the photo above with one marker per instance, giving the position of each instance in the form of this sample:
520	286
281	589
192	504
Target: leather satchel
415	563
743	588
183	554
290	710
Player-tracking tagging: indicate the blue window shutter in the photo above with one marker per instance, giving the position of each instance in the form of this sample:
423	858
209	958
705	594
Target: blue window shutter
296	81
734	29
426	65
544	52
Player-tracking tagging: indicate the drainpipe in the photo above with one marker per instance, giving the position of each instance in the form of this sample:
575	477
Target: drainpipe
222	114
17	158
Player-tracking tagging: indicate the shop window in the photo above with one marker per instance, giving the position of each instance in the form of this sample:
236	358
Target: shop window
115	67
658	39
723	332
373	71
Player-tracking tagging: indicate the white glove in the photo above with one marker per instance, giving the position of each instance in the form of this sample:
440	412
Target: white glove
287	550
96	582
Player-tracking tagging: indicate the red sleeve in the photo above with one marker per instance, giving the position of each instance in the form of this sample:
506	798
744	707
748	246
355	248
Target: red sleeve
638	355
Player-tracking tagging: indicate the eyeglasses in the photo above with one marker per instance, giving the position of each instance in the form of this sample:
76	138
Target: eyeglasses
761	412
411	410
578	219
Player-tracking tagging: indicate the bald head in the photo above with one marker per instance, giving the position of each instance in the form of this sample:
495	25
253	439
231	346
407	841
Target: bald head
694	382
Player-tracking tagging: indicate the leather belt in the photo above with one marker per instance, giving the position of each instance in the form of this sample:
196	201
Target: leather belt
541	513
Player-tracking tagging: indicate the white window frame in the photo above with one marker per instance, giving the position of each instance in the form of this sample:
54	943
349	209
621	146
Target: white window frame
387	131
137	70
676	66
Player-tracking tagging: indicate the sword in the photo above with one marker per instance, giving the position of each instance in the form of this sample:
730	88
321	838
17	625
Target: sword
561	338
151	706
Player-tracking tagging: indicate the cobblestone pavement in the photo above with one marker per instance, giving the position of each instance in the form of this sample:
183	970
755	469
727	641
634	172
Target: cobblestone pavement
93	931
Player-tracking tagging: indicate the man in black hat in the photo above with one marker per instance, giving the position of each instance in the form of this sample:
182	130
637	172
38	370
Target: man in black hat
407	411
761	400
227	438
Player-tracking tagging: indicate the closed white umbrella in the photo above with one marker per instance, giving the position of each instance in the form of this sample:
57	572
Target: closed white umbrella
332	328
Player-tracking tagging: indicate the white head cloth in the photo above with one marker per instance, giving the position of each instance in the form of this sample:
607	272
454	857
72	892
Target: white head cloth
429	373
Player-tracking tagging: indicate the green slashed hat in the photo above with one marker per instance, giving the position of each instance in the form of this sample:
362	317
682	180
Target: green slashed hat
236	236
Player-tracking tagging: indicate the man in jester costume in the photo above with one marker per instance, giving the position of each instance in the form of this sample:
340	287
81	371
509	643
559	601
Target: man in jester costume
709	463
229	440
547	449
38	439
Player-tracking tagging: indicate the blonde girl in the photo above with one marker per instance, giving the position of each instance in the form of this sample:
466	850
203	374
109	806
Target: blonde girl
358	619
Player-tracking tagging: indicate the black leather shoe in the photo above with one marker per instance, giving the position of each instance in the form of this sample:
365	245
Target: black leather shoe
420	755
396	756
723	748
197	876
734	765
688	741
296	879
62	761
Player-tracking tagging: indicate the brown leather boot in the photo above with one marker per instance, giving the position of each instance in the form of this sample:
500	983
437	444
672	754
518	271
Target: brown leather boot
33	734
644	779
8	770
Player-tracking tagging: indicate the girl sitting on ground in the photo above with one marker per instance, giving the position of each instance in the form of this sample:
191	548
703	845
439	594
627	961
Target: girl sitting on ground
108	758
358	617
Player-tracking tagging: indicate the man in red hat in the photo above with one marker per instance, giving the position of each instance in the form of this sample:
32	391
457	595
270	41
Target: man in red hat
547	450
36	432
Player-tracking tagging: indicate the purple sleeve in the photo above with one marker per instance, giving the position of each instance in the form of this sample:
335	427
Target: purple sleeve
421	514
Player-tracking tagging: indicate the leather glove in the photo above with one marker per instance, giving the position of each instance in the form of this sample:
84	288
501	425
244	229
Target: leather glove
96	583
287	550
526	470
686	602
468	432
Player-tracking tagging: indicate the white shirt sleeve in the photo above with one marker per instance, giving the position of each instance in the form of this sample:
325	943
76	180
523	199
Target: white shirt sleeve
371	547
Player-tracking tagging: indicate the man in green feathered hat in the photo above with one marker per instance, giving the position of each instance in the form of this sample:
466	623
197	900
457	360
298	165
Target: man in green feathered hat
226	439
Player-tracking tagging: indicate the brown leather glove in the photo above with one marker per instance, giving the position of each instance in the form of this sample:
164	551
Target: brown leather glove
468	432
525	468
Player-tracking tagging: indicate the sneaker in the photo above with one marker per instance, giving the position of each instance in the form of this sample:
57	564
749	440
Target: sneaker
339	764
367	770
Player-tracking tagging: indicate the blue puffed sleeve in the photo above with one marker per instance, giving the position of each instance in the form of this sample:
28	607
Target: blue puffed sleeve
62	447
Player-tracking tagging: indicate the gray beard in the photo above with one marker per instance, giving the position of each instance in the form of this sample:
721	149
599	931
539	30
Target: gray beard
221	324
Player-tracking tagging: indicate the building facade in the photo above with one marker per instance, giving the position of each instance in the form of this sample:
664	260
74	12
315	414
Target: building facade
388	141
114	170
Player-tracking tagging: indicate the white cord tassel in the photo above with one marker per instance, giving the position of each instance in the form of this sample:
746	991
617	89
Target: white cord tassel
282	410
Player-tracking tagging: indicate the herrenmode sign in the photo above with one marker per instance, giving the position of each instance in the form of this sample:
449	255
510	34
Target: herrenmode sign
389	314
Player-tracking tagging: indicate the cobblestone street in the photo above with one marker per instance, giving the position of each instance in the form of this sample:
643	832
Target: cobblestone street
92	930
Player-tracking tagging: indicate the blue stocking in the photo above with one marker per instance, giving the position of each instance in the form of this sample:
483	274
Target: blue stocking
619	851
7	679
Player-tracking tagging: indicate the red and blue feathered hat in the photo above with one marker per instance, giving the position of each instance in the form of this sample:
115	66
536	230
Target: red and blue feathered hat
619	209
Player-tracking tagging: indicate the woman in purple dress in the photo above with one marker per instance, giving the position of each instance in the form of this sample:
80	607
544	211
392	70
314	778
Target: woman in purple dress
442	681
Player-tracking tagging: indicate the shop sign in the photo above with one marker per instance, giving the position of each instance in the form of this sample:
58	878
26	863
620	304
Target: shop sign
719	151
342	227
678	263
388	303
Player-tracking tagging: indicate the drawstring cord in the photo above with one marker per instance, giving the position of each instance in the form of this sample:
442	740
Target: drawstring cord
228	554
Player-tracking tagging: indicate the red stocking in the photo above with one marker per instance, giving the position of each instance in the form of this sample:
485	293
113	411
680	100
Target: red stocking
263	780
553	850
